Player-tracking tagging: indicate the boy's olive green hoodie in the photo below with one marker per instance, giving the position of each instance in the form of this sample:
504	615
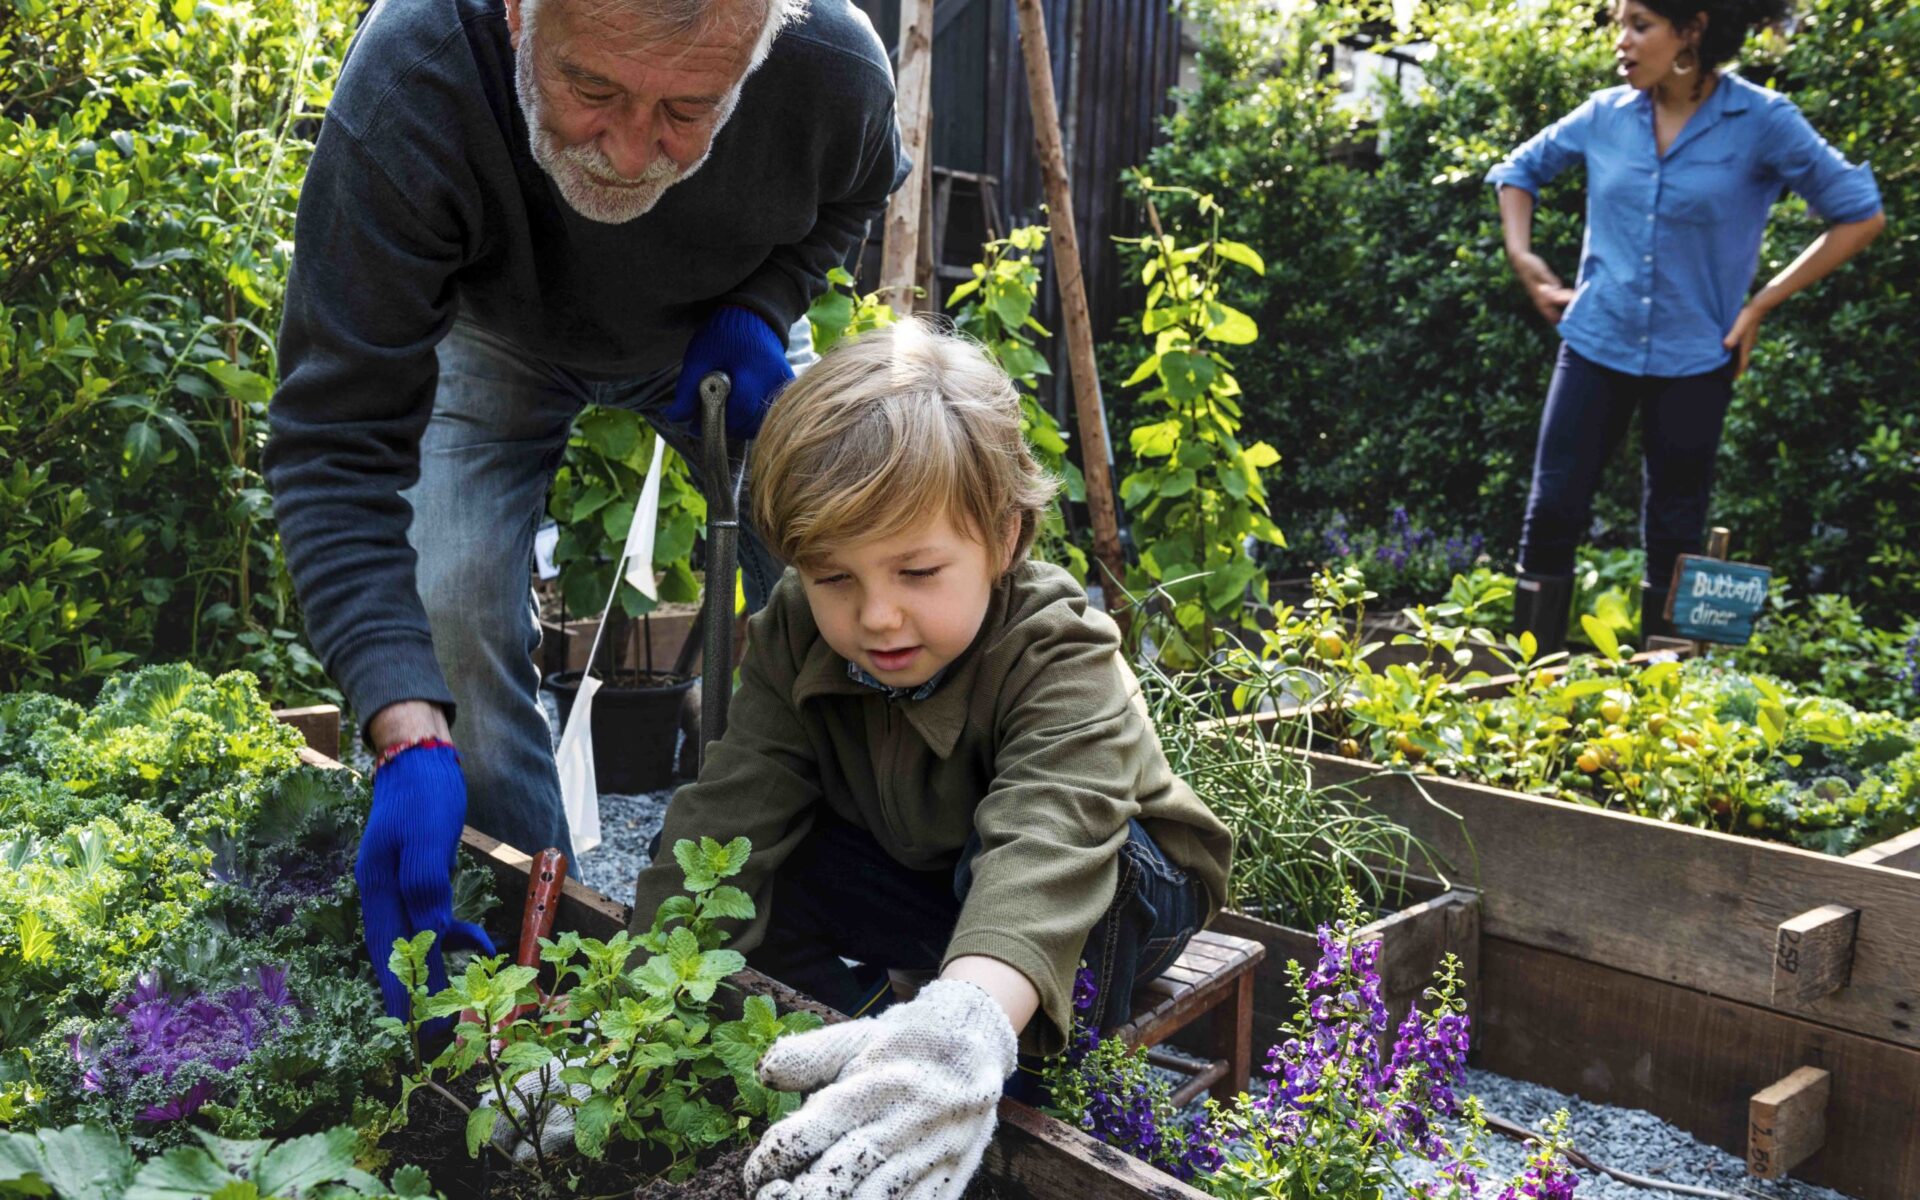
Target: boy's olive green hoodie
1035	737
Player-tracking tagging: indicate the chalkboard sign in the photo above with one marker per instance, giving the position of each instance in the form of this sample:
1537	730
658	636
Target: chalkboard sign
1715	601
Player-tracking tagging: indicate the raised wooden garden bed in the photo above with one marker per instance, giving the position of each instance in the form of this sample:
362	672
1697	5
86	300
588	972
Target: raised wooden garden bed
1032	1156
1683	971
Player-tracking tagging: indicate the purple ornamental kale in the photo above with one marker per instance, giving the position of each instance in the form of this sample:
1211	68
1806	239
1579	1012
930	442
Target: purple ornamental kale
162	1035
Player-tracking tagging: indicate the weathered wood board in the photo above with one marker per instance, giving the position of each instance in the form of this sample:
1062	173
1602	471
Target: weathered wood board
1687	906
1901	853
1697	1061
1413	941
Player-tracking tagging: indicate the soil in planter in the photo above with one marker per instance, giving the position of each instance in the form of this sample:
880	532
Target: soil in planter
718	1180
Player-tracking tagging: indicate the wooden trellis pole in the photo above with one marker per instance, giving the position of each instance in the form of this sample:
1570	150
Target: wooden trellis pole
906	209
1073	297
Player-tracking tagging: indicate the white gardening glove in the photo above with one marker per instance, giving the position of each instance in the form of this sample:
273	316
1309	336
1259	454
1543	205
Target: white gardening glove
906	1101
556	1131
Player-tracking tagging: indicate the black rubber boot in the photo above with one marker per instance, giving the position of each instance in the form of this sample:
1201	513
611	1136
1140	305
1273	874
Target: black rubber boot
1653	614
1541	604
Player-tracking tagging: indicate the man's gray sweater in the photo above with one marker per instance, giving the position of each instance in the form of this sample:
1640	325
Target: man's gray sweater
423	202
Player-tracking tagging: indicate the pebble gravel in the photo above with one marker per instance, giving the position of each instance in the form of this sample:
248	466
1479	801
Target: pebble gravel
1625	1139
627	826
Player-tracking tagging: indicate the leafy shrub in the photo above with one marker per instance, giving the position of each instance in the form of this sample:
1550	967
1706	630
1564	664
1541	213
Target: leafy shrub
1692	743
995	308
1197	494
1827	645
593	498
1403	366
150	156
179	931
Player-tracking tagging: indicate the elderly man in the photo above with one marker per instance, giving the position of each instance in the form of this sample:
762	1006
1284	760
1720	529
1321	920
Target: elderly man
513	213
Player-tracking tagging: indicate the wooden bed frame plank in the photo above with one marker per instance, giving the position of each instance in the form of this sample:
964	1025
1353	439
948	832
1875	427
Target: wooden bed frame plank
1697	1061
1688	906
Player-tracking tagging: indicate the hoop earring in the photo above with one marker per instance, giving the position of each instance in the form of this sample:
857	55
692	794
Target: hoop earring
1693	61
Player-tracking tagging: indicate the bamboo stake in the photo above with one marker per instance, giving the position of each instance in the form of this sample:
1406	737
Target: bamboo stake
1073	297
900	247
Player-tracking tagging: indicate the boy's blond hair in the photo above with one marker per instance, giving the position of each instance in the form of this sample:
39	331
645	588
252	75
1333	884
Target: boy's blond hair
899	426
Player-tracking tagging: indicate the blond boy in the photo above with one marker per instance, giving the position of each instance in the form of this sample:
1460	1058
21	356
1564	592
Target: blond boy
935	752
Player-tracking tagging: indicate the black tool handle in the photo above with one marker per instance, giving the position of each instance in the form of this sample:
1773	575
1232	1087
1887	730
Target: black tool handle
723	480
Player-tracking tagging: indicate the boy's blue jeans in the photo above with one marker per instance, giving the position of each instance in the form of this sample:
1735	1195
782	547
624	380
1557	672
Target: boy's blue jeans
500	423
840	896
1588	409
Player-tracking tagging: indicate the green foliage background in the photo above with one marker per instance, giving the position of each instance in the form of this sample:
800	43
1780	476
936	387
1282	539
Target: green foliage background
150	157
1400	364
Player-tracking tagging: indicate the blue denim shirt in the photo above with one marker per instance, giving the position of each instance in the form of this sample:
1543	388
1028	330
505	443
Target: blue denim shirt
855	673
1673	242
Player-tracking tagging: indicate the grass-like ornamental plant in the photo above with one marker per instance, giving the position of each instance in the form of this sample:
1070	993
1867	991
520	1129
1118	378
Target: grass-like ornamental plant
625	1052
1298	846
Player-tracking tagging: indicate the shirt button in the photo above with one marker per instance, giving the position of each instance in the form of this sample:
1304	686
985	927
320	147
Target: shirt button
1646	258
1643	337
1646	299
1656	177
1649	216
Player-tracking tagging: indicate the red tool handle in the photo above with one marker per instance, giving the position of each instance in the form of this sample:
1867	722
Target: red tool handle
546	879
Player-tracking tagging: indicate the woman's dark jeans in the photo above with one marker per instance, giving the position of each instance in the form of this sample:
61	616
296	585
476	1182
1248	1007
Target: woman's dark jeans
1588	409
843	897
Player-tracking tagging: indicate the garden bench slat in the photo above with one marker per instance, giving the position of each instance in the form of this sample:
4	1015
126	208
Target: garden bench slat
1214	971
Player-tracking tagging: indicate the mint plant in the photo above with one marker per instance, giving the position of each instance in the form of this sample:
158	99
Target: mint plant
626	1050
1198	496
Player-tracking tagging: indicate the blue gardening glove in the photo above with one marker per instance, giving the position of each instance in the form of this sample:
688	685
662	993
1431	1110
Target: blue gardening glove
737	341
405	868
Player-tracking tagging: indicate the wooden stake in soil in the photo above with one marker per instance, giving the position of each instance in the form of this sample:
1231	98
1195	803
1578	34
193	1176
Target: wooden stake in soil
900	246
1787	1123
1073	296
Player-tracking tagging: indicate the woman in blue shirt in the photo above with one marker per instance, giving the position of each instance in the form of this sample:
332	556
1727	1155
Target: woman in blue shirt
1683	164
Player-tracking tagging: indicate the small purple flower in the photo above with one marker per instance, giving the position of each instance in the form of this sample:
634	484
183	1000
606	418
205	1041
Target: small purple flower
1083	990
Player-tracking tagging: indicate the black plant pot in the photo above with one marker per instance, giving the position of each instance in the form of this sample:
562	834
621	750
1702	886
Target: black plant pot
636	723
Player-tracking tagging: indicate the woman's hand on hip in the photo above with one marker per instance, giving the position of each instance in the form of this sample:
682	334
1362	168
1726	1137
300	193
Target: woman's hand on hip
1740	339
1549	295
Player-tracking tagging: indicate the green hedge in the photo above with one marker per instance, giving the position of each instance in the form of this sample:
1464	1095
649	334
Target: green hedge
150	156
1401	366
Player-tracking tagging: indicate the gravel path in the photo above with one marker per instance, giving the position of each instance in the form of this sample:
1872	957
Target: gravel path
1625	1139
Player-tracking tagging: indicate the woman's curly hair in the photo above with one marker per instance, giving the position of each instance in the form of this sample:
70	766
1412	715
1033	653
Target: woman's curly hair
1728	23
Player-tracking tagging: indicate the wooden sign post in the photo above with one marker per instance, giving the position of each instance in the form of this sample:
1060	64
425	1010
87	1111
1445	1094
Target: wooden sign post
1712	600
1073	299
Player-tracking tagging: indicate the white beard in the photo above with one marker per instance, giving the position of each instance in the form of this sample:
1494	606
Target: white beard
581	172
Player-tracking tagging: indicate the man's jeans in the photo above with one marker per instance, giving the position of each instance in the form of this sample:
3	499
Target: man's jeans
840	896
500	423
